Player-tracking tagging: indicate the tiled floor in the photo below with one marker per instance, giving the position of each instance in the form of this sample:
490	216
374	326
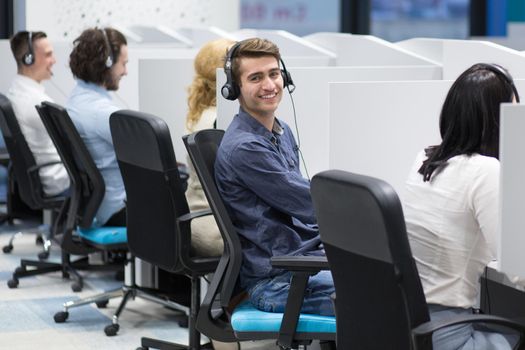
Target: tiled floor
26	313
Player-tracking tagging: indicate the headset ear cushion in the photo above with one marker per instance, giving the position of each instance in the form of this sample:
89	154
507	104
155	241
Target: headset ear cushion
28	59
230	91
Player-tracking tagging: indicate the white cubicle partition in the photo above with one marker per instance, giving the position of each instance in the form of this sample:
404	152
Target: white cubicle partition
425	47
312	103
128	93
295	50
163	93
512	187
156	35
458	55
377	128
201	35
366	50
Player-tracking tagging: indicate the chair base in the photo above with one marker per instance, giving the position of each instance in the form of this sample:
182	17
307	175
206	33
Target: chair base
68	269
150	343
134	292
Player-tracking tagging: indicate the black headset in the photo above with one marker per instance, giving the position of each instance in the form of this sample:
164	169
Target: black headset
502	72
29	57
110	59
231	90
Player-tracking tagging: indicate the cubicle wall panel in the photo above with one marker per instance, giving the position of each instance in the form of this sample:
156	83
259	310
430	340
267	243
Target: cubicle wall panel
163	92
512	196
458	55
377	128
366	50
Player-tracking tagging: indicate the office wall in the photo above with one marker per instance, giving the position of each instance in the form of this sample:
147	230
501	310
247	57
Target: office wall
65	19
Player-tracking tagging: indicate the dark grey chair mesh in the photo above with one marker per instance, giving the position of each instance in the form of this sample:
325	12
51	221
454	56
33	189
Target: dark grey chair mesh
29	187
159	230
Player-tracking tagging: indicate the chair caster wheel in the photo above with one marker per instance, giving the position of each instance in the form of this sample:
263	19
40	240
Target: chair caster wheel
183	323
111	329
43	255
12	283
61	317
102	304
76	287
20	270
7	248
39	240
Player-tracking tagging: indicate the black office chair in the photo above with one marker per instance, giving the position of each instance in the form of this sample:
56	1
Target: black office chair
242	321
380	301
158	215
74	233
28	187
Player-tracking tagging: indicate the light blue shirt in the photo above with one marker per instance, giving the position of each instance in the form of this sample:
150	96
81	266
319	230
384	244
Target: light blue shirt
90	107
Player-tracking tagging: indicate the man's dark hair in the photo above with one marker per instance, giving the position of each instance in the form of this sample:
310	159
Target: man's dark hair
20	44
90	53
253	48
470	120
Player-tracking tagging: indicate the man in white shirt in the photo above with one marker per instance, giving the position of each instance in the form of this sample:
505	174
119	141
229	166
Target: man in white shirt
34	59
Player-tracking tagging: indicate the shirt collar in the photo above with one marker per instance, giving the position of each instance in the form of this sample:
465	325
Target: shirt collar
94	87
30	83
258	128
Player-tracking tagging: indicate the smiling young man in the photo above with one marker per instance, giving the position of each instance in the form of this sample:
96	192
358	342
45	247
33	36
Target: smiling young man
34	58
98	62
258	176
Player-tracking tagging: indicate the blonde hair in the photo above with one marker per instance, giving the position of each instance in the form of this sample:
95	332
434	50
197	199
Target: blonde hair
202	91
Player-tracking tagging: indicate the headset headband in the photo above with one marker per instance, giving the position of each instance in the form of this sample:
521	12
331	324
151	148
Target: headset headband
110	59
29	57
499	70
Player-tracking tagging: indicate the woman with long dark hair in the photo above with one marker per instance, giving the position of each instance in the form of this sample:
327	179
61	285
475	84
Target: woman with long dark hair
451	204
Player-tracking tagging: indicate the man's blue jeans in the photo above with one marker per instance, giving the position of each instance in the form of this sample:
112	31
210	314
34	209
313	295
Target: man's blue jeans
270	294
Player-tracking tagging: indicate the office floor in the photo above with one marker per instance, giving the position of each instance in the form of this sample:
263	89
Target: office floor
26	313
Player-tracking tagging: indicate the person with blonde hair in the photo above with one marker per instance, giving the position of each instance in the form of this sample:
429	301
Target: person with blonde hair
202	113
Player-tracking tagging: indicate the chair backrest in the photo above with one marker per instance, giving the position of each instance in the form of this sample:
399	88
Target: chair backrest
202	148
22	159
154	189
87	185
379	293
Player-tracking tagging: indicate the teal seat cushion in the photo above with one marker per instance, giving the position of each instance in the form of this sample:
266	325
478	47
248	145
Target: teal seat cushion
246	318
104	235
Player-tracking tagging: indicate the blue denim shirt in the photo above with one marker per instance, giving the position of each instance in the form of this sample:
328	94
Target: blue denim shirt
258	176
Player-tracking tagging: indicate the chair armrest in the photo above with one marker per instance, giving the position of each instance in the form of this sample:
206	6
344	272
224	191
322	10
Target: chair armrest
39	166
423	332
300	263
194	215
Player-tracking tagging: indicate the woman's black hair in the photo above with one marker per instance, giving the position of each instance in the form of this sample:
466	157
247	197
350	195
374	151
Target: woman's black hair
469	120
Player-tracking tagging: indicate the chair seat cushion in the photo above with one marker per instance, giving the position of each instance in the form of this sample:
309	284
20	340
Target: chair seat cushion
247	318
104	235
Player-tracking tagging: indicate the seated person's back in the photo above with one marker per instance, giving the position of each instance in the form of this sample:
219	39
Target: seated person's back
34	64
451	204
90	106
